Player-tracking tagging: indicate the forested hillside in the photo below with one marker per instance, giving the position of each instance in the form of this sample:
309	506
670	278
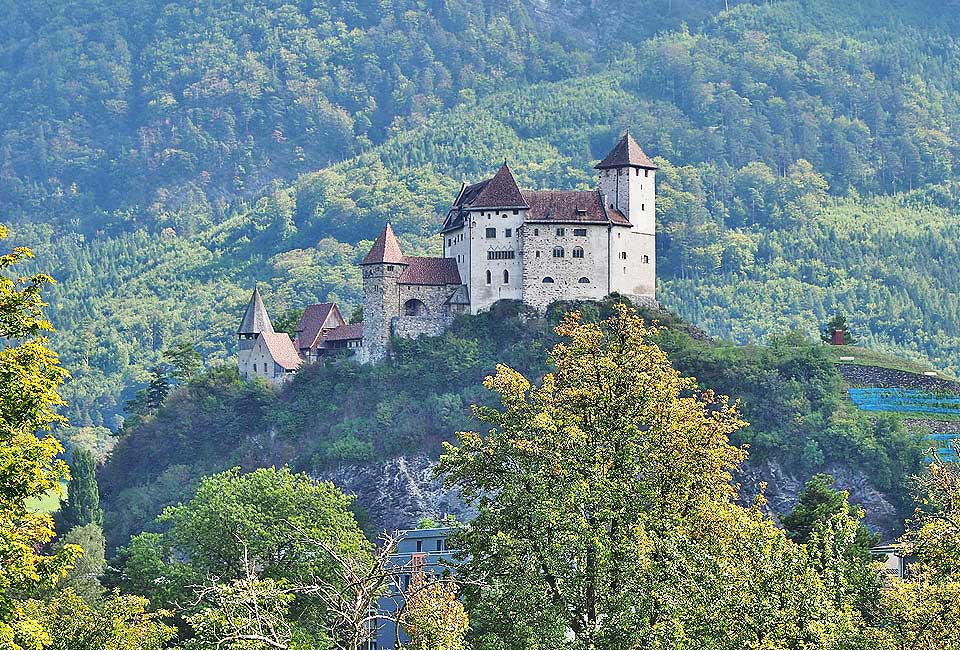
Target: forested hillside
789	391
163	158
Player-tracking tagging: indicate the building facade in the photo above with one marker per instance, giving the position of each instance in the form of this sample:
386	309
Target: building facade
499	242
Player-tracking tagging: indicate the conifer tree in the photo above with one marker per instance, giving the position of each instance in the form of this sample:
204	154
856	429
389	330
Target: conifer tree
82	505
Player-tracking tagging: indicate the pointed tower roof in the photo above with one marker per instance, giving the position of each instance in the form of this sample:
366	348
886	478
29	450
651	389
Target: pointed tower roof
501	191
385	250
255	319
626	153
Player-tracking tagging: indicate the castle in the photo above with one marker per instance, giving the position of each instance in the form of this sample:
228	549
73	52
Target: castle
499	243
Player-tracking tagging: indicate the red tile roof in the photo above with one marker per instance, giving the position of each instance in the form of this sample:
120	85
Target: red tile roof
501	191
430	271
626	153
314	319
575	206
385	250
349	332
282	350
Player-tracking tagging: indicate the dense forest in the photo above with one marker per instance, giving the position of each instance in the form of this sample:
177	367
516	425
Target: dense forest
161	159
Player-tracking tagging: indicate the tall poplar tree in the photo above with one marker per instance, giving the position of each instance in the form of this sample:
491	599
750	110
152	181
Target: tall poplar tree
82	505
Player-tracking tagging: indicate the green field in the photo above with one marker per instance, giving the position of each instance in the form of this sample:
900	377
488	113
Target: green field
865	357
48	503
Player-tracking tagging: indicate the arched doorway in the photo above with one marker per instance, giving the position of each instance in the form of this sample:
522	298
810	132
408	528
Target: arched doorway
414	307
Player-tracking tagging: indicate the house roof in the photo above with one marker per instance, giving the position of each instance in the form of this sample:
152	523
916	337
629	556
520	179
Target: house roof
385	250
348	332
314	319
626	153
501	191
282	350
430	271
255	318
572	206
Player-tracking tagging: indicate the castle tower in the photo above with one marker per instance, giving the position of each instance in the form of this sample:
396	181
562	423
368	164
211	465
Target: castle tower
628	185
381	294
255	322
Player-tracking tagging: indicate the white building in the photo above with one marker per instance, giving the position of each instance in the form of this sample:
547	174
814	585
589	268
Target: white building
539	246
499	243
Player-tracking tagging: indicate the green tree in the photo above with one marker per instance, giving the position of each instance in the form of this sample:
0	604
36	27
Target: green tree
433	617
270	519
30	374
118	623
85	575
838	322
817	503
82	505
184	360
922	610
606	515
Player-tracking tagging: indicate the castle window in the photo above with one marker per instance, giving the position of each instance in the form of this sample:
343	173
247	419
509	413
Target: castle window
389	267
578	252
536	231
638	171
548	280
558	252
491	233
500	255
646	173
538	253
414	307
489	280
584	280
623	255
646	259
560	232
579	232
449	241
643	206
516	211
506	277
508	232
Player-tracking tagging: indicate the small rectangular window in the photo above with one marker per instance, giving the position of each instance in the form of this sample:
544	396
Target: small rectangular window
579	232
516	211
536	231
491	233
419	545
508	232
439	545
559	232
623	255
646	172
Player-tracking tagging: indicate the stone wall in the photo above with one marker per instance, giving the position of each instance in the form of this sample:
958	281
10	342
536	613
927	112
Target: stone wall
872	376
411	327
539	242
433	297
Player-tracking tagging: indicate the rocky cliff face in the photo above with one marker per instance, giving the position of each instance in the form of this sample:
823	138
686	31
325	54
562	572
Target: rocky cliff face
400	492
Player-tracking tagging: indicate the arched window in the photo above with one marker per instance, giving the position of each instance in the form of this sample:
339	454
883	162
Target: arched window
584	280
488	277
414	307
548	280
578	252
506	276
646	259
558	251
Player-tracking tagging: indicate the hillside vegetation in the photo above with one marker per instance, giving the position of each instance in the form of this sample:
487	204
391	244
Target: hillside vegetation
789	391
176	154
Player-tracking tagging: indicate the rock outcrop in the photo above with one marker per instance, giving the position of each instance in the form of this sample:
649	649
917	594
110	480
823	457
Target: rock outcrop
400	492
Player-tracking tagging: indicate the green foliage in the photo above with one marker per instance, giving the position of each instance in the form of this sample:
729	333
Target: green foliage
790	392
835	324
267	519
818	502
606	514
82	505
800	143
117	623
30	374
85	575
